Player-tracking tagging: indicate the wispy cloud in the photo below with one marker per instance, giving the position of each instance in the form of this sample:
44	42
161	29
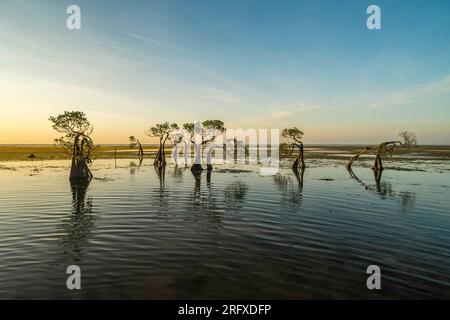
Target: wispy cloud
283	114
291	110
218	95
101	42
163	44
414	93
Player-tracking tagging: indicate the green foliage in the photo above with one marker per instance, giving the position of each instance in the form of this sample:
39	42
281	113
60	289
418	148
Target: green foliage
72	123
65	144
206	125
189	127
161	129
214	124
293	133
76	141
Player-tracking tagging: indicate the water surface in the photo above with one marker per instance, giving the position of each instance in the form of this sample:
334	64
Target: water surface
233	234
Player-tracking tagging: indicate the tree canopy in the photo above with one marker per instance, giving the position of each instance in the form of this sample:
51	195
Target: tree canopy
75	141
72	123
75	125
294	134
210	129
161	129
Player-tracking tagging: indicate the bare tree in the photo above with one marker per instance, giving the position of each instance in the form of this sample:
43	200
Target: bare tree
294	135
135	142
76	141
386	149
409	138
161	131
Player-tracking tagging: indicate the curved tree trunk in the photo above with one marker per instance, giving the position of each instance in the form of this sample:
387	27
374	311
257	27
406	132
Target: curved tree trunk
157	157
299	160
378	164
158	154
377	175
141	150
160	159
163	155
356	156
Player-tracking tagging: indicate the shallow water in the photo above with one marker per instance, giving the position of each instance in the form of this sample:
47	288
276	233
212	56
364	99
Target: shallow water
231	235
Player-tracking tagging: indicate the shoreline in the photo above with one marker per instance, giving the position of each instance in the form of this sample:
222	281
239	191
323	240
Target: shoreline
50	152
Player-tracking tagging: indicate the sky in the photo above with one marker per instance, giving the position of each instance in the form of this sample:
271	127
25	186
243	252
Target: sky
251	63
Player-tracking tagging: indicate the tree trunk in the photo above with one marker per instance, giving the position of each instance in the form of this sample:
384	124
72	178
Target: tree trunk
141	150
299	160
160	159
235	150
79	169
163	152
302	160
377	175
378	164
157	157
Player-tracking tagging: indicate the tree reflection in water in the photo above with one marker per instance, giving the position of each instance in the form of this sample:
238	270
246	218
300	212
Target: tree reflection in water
384	189
292	193
203	200
235	195
178	173
133	166
162	195
78	226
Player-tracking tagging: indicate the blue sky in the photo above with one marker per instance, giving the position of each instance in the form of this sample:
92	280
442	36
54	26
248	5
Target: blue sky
253	64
